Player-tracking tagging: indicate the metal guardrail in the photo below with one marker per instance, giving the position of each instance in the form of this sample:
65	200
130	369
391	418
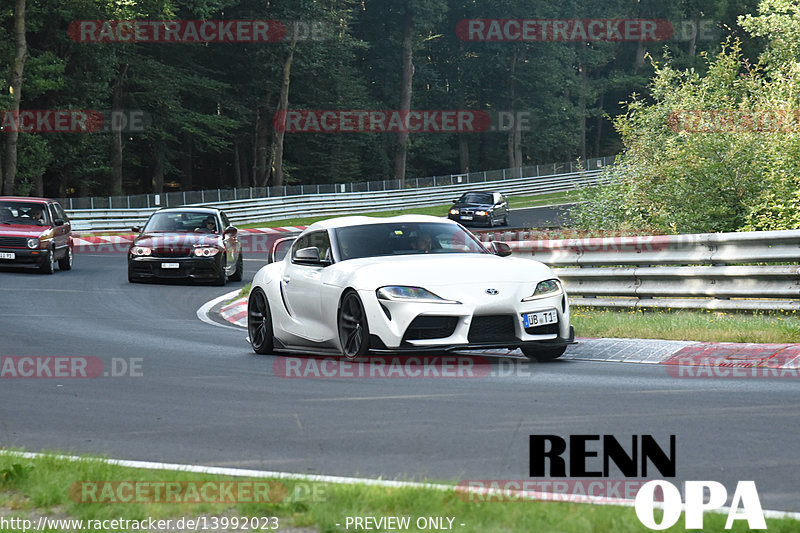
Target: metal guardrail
717	271
276	208
173	199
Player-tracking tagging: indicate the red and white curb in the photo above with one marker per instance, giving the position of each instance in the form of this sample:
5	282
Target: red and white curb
737	359
88	240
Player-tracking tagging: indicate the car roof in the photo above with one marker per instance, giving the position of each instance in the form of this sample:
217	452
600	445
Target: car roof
342	222
198	209
29	199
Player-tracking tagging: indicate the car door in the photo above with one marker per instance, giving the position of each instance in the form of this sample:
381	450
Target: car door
301	285
61	229
231	242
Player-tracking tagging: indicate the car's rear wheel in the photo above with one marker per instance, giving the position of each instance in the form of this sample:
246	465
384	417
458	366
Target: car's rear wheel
49	265
543	355
259	322
237	275
65	263
353	326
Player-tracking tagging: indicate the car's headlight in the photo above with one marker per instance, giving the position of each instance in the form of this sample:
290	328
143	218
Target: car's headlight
549	287
454	211
140	251
481	213
33	243
206	251
406	294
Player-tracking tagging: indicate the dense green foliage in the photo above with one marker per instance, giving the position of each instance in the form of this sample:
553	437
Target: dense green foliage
717	149
211	105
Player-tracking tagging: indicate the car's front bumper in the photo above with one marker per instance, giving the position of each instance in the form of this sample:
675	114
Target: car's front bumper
477	321
23	256
199	268
472	220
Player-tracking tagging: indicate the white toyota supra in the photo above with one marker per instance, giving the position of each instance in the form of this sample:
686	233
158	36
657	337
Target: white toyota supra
413	283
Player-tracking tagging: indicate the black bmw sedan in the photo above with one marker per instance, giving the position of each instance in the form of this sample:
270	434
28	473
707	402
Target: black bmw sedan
484	208
196	243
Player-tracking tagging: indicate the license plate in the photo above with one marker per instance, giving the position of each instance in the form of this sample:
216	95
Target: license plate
8	255
170	265
542	318
466	218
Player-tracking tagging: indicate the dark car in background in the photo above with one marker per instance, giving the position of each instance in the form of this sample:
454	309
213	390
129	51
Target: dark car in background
197	243
34	231
480	208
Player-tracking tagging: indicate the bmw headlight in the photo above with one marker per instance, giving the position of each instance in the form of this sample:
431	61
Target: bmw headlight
454	211
481	213
206	251
140	251
33	243
409	294
549	287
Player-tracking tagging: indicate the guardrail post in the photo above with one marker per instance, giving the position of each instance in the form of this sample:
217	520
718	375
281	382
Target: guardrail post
504	177
91	201
219	195
203	196
184	202
109	203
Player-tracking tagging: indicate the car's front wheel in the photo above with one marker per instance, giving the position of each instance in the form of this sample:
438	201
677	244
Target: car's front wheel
49	265
65	263
543	355
223	277
353	327
259	322
237	275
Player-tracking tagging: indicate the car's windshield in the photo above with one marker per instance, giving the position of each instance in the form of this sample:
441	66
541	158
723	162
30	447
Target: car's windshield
373	240
476	198
25	213
181	221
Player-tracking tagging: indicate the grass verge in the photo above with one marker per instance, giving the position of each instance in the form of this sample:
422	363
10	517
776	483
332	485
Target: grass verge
515	202
709	326
56	488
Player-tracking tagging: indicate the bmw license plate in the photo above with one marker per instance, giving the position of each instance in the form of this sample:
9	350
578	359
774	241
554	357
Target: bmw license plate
8	255
542	318
466	218
170	265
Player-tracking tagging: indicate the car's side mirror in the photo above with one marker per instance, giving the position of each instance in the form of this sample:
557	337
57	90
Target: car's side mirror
500	248
309	256
136	229
231	230
58	222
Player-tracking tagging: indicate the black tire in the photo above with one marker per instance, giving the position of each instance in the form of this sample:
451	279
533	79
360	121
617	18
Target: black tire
65	263
49	266
259	323
223	277
237	275
353	326
505	220
132	278
543	355
491	220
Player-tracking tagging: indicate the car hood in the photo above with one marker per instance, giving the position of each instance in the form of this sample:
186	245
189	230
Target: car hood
434	270
473	206
176	240
22	230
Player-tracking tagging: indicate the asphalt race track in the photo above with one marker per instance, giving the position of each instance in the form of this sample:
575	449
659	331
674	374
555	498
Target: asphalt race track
199	395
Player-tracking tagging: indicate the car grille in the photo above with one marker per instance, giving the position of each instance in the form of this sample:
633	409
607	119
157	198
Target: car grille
542	330
492	328
14	242
467	212
431	327
174	252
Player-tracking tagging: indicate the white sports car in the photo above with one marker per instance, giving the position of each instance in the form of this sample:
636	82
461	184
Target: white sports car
412	283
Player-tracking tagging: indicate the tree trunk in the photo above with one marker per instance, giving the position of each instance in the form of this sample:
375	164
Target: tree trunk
237	169
158	167
15	87
276	154
599	133
187	174
260	147
582	109
116	133
407	75
463	154
514	135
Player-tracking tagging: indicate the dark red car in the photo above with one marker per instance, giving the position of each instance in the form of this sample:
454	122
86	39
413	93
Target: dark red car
196	243
34	231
